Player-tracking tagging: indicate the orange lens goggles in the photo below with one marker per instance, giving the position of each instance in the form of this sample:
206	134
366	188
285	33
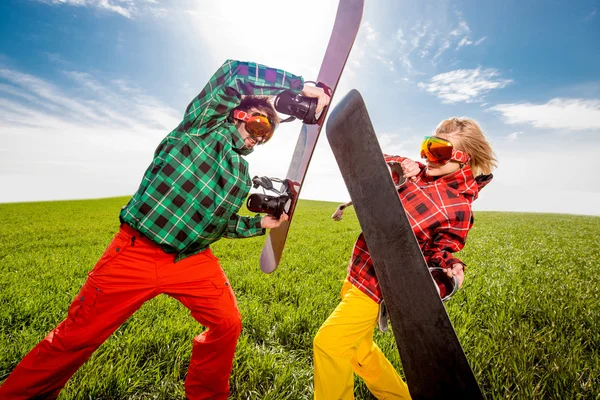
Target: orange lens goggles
440	151
257	125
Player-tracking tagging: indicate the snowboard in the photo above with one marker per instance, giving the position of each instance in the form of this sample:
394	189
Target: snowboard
433	360
345	28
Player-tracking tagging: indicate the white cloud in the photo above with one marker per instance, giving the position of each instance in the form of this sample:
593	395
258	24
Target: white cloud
371	34
125	8
464	85
420	30
513	136
159	12
100	105
406	63
47	95
507	197
591	15
462	29
388	63
558	113
93	141
522	181
124	11
56	58
479	41
400	37
368	45
426	41
443	47
463	42
464	32
426	49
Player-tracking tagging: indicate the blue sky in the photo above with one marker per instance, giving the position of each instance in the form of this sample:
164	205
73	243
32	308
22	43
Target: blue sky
89	87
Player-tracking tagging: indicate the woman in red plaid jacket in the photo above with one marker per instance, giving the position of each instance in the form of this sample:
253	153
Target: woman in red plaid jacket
437	197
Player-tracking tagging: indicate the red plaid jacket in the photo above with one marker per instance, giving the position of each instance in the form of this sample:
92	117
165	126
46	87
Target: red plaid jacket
439	211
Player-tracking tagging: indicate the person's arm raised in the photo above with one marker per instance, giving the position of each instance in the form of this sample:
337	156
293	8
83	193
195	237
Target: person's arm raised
225	89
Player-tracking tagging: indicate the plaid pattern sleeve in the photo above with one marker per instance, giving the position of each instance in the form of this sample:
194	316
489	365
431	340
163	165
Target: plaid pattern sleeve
198	180
222	93
243	227
449	239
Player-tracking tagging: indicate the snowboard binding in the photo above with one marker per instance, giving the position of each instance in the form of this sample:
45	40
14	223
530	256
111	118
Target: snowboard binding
446	286
274	205
297	106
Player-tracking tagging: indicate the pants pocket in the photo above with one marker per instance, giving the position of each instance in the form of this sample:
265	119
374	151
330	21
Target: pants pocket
116	247
84	303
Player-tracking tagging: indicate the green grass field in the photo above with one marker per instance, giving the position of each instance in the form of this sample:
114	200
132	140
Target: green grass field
528	317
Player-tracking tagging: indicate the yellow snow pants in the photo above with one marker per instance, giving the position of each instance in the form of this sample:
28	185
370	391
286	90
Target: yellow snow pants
345	344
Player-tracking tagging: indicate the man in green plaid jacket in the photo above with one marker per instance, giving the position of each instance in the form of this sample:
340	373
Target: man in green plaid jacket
188	198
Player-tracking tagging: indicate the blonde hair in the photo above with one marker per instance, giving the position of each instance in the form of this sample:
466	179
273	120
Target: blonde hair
471	140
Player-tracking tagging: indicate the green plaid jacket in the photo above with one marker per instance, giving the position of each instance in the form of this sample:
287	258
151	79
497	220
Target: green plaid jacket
191	192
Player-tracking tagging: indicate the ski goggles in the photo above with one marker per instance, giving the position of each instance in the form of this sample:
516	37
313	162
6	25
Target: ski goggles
258	126
441	151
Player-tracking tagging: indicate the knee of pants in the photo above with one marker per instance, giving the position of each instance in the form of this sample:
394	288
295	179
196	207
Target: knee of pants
324	342
65	339
230	325
79	330
365	367
235	324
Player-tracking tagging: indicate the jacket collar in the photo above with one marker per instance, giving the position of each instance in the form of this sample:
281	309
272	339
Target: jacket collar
462	181
237	142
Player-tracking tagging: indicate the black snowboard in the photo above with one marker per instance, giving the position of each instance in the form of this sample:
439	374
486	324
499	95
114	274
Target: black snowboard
432	358
345	28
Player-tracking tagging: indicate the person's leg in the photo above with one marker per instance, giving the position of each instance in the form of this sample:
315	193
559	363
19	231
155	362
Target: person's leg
379	374
117	286
337	341
201	285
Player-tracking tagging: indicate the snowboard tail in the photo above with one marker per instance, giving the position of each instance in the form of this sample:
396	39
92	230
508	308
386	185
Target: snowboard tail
347	23
432	358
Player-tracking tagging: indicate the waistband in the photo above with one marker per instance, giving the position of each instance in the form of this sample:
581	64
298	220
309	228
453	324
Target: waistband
129	231
133	233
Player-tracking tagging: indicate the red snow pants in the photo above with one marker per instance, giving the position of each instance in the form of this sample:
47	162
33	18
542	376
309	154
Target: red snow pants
131	271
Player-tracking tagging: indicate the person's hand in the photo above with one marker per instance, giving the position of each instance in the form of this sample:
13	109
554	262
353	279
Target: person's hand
410	169
457	270
337	215
270	222
318	93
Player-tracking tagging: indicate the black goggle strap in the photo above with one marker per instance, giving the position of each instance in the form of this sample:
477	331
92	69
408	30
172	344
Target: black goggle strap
288	119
